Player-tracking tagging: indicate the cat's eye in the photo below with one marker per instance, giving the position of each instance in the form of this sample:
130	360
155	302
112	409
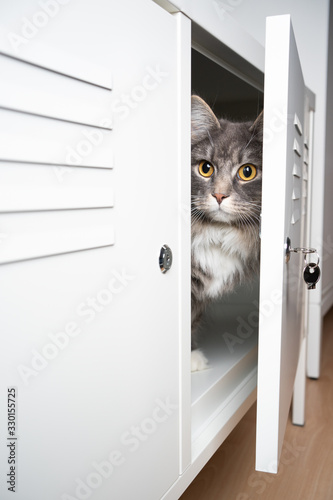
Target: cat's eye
247	172
206	169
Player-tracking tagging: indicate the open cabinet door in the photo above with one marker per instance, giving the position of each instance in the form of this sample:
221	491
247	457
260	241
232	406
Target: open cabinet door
281	282
88	196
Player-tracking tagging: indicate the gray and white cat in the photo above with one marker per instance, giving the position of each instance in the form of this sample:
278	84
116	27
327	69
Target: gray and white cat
226	203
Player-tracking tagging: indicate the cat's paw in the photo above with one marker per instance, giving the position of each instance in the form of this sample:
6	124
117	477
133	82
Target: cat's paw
198	361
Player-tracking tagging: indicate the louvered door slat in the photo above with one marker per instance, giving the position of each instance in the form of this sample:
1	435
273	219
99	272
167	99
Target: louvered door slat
48	93
30	138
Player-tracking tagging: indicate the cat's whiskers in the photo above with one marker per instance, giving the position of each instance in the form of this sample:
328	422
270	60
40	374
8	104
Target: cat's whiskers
252	203
196	215
251	139
210	139
247	202
254	229
253	216
251	230
249	221
252	208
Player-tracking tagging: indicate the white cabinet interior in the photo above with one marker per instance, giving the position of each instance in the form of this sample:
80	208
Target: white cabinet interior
229	331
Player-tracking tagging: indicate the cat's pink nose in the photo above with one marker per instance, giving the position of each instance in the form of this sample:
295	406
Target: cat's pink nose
219	197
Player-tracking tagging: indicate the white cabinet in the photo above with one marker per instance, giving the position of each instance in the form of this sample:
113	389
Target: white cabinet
89	324
95	179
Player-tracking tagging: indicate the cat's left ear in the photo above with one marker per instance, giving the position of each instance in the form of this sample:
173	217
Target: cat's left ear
258	126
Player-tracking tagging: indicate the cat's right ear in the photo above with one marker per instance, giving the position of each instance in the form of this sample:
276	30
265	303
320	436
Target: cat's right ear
258	126
202	119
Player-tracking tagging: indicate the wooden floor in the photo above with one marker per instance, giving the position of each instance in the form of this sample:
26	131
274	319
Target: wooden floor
306	467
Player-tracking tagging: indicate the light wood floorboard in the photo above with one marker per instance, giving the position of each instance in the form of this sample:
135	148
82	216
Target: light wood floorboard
306	467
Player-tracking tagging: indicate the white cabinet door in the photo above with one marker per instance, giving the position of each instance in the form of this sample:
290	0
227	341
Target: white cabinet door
281	283
88	196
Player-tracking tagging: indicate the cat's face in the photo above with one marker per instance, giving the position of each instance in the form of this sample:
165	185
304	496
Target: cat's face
226	168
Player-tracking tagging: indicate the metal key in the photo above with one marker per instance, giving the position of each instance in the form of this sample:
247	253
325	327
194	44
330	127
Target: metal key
311	275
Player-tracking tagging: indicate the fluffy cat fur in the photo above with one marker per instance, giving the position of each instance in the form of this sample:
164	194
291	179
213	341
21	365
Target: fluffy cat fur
225	208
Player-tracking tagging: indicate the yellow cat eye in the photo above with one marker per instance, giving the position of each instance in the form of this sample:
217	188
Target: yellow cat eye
247	172
206	169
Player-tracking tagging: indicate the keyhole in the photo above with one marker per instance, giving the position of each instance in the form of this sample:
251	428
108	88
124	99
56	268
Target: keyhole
165	259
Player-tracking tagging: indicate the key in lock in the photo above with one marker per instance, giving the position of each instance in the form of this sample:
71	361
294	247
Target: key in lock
311	270
311	275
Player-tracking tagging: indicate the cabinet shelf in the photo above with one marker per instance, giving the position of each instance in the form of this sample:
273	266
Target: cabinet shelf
230	344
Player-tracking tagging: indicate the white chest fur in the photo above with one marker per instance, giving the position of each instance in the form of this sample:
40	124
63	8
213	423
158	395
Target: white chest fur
221	253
